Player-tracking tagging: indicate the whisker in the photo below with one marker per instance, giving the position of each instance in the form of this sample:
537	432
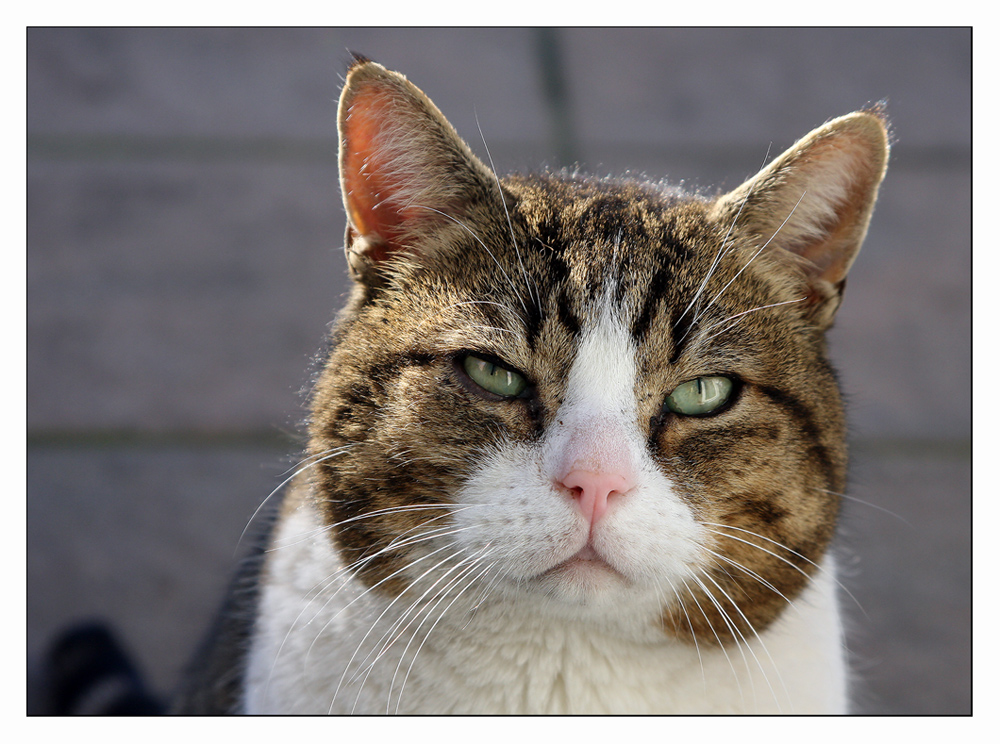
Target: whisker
752	574
780	558
739	316
322	586
510	225
711	627
694	636
752	259
395	631
488	589
485	248
750	649
322	458
718	256
868	503
473	563
357	565
374	624
303	536
436	318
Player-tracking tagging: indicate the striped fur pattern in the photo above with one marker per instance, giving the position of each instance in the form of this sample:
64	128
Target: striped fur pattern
586	544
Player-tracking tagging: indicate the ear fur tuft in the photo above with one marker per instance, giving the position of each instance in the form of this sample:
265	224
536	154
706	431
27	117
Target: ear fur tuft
357	59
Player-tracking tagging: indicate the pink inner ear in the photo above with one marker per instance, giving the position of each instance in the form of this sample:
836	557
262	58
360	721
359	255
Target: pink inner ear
368	180
849	163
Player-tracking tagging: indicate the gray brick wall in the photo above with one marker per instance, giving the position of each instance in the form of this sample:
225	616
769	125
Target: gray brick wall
184	258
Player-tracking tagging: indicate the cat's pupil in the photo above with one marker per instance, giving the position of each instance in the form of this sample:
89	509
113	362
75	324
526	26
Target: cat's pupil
700	396
493	378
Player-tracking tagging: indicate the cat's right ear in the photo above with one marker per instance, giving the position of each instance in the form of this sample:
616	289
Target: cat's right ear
405	173
813	204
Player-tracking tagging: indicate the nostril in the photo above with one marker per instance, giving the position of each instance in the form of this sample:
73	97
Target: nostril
584	480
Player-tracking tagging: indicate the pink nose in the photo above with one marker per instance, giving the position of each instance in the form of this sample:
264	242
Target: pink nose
592	491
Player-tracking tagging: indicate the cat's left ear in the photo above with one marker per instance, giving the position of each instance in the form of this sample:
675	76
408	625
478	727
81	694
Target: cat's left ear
815	200
407	178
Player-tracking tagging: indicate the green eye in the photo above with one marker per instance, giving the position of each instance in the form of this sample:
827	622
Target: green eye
700	396
493	378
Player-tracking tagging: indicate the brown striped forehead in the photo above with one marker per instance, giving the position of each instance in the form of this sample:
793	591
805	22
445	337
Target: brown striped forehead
668	270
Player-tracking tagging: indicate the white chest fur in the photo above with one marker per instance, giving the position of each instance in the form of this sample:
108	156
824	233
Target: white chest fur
322	646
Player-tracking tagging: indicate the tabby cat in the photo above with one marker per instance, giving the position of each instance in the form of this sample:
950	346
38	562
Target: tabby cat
577	447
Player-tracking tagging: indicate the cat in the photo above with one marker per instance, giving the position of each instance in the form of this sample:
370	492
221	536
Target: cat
577	446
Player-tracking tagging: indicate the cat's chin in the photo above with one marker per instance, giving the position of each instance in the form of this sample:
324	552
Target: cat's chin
584	576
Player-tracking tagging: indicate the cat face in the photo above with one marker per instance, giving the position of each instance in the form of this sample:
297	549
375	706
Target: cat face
601	399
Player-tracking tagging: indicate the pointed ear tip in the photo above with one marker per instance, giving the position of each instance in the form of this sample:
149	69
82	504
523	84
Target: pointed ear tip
362	68
870	124
357	58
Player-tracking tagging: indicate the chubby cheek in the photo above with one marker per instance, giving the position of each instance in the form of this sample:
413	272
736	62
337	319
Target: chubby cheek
509	507
654	533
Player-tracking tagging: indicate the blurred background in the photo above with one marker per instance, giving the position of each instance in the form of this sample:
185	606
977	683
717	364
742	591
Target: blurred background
185	257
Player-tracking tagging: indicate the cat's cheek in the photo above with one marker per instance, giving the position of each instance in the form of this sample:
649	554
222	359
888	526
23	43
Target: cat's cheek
653	535
510	510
